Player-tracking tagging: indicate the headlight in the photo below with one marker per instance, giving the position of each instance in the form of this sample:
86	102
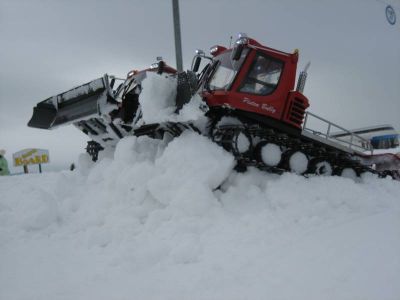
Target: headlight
131	73
242	35
213	49
216	50
242	39
199	52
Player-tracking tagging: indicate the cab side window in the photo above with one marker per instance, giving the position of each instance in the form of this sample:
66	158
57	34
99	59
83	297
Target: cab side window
263	76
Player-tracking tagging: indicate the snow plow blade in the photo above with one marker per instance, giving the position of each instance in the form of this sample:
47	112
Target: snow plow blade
78	103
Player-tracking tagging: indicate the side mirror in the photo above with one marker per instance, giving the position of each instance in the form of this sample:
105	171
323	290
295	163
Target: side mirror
237	51
160	68
112	82
196	64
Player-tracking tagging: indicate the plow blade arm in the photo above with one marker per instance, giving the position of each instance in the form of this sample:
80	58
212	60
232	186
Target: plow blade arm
77	103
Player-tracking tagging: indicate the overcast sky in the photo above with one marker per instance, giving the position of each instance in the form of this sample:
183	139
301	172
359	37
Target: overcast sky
49	46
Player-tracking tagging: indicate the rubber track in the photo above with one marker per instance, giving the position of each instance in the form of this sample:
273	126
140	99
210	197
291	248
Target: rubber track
224	136
337	158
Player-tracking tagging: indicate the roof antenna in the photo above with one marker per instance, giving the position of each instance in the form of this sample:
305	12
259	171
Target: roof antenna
230	42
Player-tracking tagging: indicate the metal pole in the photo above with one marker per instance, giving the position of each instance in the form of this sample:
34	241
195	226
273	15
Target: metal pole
305	121
177	31
328	132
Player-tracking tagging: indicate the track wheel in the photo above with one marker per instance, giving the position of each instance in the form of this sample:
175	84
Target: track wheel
347	172
296	161
241	142
320	166
269	153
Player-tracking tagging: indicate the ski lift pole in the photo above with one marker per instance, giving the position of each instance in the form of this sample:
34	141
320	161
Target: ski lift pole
177	32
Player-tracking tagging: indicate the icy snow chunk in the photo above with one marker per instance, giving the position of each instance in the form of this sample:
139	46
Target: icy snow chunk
97	173
192	110
190	162
245	192
125	150
193	198
157	98
135	149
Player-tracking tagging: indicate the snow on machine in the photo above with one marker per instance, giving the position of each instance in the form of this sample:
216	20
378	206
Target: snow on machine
249	99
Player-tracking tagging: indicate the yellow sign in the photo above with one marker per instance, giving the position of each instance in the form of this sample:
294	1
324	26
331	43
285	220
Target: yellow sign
31	157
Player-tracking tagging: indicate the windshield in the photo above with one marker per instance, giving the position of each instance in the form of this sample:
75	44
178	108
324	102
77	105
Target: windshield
263	76
226	70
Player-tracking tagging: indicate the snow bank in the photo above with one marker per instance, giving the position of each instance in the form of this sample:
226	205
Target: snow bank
173	221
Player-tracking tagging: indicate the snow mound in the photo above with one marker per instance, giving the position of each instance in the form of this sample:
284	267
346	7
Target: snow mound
158	220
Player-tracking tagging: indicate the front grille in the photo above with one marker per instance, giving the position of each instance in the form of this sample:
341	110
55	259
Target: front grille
297	110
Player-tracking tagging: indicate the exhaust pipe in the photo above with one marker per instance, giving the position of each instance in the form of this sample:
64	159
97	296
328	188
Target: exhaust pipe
301	82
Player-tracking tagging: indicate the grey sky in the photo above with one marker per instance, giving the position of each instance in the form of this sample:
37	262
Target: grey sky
50	46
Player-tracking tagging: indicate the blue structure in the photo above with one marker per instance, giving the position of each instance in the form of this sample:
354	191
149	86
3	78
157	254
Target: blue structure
380	137
385	141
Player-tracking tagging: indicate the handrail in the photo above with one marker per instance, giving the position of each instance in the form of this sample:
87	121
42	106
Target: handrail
355	140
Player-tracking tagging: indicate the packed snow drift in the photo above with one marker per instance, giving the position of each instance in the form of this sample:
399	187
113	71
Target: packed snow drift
158	220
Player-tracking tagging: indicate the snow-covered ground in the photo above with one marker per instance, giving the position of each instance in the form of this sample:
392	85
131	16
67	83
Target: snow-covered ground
173	221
